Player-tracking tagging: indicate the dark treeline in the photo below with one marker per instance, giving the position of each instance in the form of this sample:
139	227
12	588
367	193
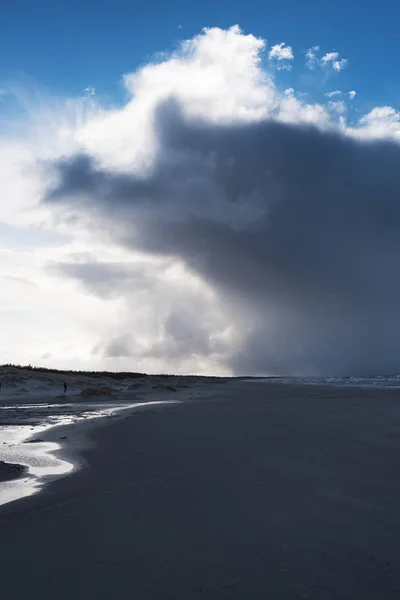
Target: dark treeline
114	374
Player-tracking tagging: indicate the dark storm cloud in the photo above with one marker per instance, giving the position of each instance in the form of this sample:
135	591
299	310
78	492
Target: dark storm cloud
117	347
102	279
183	336
106	279
297	228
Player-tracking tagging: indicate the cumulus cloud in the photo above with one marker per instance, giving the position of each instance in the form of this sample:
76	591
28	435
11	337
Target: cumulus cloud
330	59
339	65
281	54
333	59
219	225
352	94
381	122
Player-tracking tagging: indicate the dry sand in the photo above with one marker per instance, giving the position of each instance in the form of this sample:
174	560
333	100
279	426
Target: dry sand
260	491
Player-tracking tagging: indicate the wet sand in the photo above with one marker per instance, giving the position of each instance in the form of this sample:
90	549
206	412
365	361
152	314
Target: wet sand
258	491
9	471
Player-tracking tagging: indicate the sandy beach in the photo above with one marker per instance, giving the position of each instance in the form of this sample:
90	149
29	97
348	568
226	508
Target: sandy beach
258	490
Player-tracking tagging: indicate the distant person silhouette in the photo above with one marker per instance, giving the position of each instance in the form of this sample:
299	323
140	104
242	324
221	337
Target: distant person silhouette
65	388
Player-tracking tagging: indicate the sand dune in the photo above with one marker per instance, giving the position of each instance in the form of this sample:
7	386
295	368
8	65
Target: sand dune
18	383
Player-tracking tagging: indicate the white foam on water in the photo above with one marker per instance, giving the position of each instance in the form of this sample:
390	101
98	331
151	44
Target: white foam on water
374	381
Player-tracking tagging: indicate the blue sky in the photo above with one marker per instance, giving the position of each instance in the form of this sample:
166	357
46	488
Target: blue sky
67	46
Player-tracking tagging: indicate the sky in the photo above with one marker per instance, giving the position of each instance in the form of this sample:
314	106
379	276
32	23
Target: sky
204	187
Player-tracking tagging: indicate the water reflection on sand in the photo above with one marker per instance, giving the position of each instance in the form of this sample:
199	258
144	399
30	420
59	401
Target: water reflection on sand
23	444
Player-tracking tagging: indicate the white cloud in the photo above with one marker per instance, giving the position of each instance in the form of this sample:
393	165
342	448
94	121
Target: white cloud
381	122
352	94
312	57
202	75
333	58
339	107
330	59
281	53
218	78
292	110
332	94
339	65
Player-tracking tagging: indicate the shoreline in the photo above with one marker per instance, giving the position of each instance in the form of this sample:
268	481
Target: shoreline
68	443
